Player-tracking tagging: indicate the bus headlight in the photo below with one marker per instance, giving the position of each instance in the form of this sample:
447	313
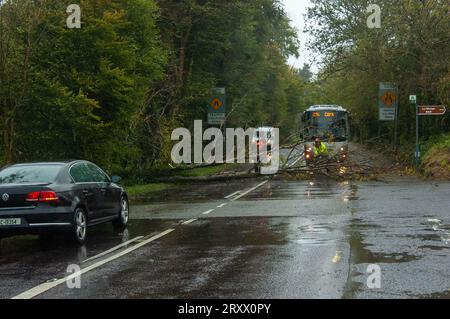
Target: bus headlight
343	153
308	153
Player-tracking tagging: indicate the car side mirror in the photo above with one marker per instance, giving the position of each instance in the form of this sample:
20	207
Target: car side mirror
115	179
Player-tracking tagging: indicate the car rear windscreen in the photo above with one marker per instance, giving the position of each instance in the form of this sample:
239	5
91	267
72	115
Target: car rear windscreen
29	174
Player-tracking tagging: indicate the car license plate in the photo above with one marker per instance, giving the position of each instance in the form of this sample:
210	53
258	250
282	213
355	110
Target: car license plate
10	221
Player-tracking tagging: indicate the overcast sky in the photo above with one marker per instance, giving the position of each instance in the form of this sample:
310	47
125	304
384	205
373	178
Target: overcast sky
296	9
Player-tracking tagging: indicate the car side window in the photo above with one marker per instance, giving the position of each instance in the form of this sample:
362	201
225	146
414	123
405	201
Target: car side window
80	173
97	174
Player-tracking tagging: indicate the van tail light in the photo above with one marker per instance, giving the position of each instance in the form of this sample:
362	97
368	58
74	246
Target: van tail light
42	197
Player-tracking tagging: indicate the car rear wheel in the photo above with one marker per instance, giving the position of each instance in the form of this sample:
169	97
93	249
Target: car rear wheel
79	230
124	213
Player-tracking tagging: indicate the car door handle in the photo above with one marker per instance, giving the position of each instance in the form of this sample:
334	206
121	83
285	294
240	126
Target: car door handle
86	192
103	190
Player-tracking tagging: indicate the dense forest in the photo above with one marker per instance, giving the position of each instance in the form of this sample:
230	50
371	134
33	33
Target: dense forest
411	49
113	90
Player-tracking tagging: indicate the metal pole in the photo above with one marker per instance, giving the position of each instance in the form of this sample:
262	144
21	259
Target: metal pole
396	128
396	118
417	155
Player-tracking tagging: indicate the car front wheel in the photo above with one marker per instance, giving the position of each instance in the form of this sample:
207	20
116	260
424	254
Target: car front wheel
79	230
124	213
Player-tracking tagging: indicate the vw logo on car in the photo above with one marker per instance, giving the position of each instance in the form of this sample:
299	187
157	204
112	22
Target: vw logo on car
5	197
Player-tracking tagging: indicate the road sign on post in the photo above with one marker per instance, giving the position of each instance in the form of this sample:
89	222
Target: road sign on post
431	110
424	110
388	101
217	107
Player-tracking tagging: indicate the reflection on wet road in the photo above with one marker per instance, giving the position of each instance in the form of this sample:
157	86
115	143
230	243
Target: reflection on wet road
256	239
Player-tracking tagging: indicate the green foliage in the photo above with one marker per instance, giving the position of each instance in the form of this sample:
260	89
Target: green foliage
411	49
437	143
85	85
113	90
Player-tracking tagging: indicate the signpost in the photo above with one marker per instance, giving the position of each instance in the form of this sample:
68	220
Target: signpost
388	101
431	110
217	107
413	101
424	110
388	105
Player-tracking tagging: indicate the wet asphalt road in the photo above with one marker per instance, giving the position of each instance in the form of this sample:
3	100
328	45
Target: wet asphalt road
284	239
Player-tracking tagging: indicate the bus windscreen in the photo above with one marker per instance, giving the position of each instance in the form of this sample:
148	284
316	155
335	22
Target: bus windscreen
327	125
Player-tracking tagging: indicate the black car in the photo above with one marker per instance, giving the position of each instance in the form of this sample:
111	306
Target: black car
39	198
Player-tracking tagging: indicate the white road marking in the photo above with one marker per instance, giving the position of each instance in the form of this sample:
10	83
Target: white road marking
208	212
36	291
231	195
189	221
113	249
33	292
222	205
250	190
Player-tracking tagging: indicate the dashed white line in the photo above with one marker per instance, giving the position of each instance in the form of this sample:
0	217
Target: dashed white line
190	221
231	195
208	212
250	190
40	289
36	291
113	249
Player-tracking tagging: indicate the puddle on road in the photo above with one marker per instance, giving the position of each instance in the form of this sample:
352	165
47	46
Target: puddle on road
435	248
351	194
255	231
315	189
361	254
275	189
441	230
317	235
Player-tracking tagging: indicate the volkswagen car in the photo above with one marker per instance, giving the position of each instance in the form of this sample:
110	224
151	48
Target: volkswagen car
42	198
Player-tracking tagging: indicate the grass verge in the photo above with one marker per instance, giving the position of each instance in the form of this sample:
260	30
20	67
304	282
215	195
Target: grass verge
436	162
140	190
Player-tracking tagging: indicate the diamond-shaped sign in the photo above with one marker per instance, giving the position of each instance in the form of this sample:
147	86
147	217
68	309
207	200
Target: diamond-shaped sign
216	104
389	99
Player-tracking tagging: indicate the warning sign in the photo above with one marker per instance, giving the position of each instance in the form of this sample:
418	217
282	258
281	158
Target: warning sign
388	101
217	107
216	104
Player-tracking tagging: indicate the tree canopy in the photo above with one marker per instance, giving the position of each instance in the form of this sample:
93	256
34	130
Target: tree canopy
112	90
